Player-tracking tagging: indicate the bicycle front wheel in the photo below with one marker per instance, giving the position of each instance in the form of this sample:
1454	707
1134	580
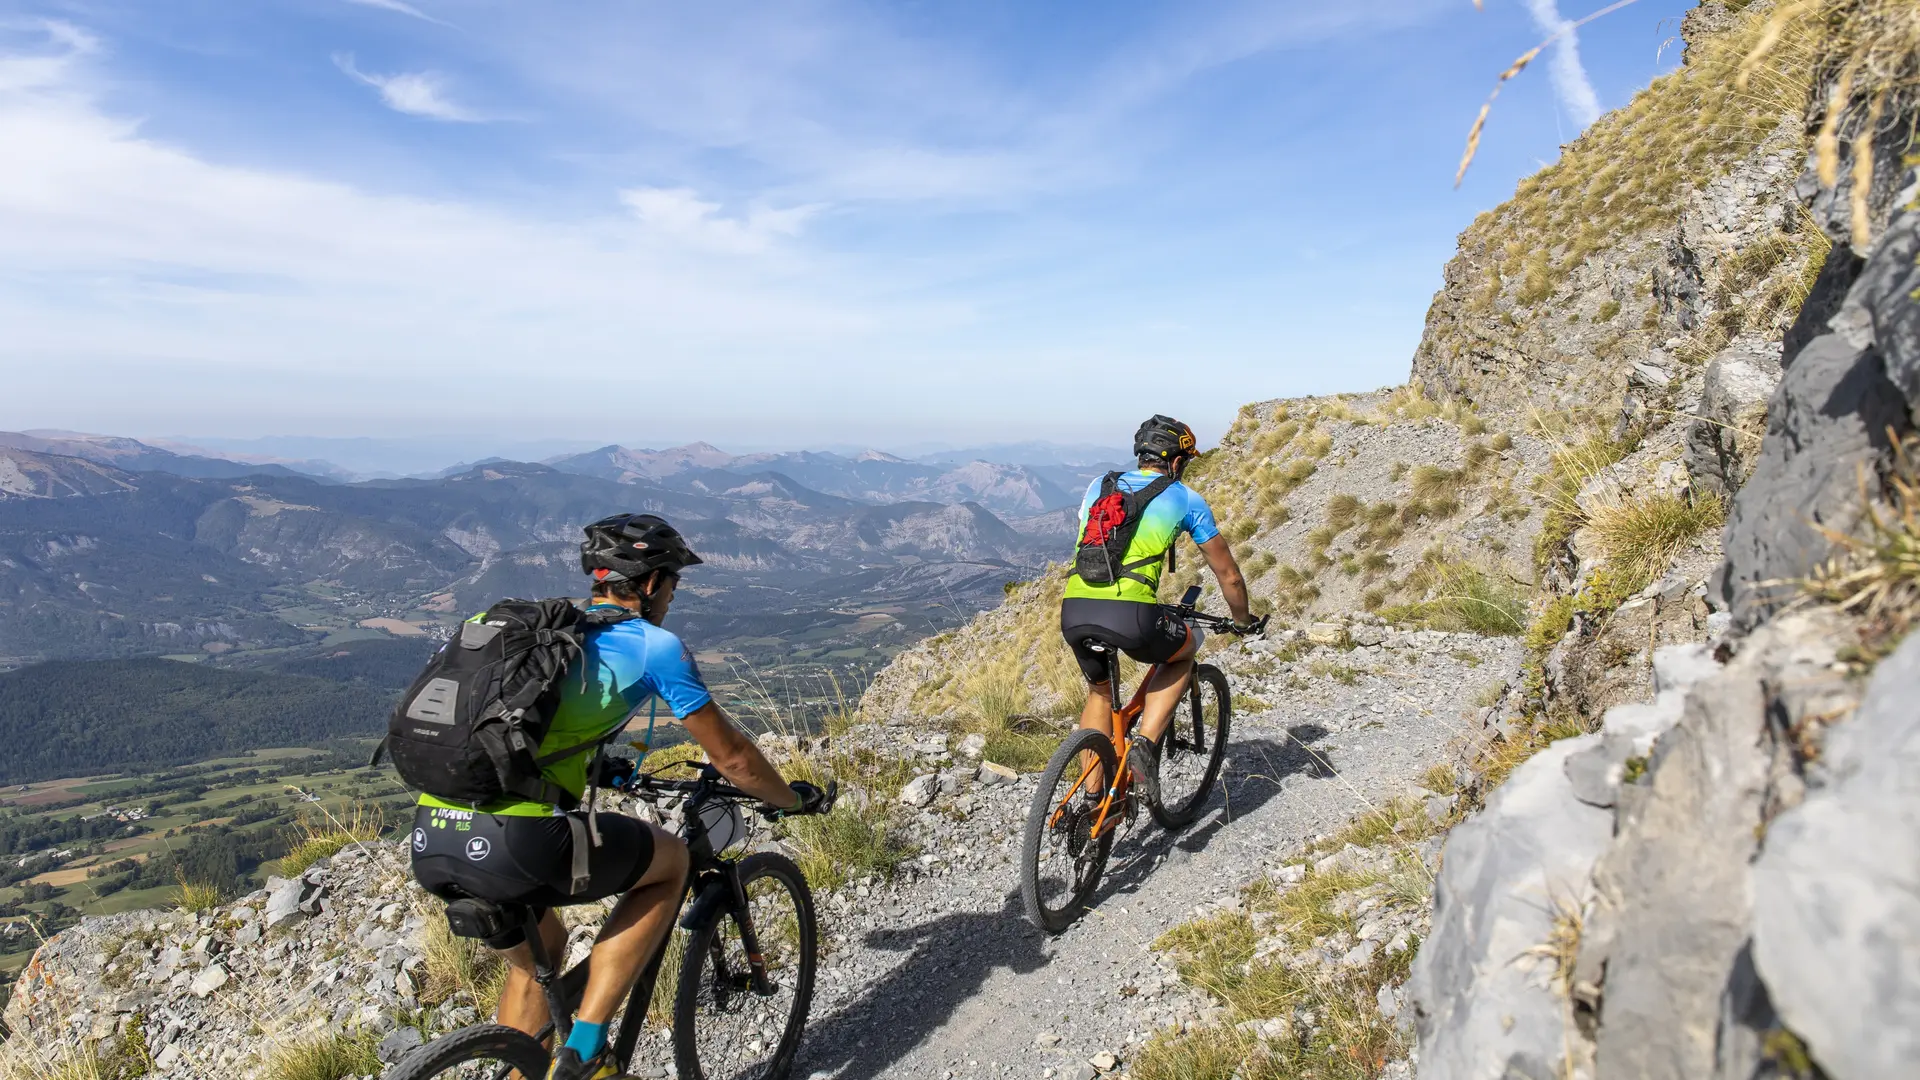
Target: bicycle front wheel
1192	748
480	1052
722	1028
1061	860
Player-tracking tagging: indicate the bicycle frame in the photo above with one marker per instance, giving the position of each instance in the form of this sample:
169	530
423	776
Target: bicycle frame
714	883
1122	717
1120	722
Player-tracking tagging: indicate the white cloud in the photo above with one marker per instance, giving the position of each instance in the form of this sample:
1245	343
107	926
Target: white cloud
1570	82
396	5
844	105
681	215
33	69
157	270
416	93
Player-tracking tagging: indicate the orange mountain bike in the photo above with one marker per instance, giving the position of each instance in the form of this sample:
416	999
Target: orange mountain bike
1071	826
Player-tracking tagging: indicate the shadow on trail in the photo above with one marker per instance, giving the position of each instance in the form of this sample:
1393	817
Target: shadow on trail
1252	774
952	956
951	959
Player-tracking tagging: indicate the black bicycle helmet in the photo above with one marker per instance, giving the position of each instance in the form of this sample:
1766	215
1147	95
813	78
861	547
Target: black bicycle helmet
1163	438
628	547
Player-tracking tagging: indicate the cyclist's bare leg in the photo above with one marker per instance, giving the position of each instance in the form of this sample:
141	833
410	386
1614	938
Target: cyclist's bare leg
523	1004
1098	716
1169	685
634	929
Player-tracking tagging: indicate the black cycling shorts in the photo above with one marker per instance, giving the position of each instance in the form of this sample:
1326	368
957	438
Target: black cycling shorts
1149	633
523	860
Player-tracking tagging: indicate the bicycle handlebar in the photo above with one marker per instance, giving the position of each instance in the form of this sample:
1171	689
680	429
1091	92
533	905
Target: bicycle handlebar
710	786
1220	623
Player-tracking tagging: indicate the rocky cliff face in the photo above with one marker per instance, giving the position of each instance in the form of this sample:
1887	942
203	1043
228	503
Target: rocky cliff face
1664	233
1731	881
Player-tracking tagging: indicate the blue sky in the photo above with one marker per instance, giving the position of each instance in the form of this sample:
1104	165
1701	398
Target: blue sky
785	224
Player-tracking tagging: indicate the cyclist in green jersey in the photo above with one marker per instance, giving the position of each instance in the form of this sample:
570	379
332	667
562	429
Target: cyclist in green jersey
1126	614
517	851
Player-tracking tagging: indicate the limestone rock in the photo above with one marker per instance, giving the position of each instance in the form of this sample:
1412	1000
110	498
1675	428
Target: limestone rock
209	980
921	790
1723	440
1883	294
1326	633
993	773
1479	1011
284	903
397	1043
1836	919
1826	431
1670	915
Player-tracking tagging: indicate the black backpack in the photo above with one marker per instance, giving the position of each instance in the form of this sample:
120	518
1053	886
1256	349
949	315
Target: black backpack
1111	522
467	729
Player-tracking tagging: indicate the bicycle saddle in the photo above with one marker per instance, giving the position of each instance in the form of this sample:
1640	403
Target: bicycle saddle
472	917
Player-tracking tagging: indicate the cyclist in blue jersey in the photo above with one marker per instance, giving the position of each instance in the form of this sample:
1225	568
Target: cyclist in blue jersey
1126	614
518	851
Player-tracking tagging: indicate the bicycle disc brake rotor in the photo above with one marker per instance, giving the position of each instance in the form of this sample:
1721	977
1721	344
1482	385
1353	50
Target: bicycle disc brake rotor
1076	828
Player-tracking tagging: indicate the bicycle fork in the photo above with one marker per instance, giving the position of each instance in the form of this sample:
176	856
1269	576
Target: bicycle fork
723	889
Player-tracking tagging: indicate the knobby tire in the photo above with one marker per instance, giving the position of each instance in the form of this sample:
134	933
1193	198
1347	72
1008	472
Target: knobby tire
1205	739
698	972
478	1043
1042	834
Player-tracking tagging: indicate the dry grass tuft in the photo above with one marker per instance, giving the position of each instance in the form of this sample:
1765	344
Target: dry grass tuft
327	1056
1562	947
322	836
1640	536
196	896
1462	597
455	965
1342	511
1331	1022
1878	574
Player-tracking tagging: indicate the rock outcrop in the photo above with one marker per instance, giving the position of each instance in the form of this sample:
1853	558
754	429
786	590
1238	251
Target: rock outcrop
1751	911
1836	893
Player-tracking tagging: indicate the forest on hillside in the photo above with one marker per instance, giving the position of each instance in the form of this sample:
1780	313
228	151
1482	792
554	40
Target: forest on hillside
72	718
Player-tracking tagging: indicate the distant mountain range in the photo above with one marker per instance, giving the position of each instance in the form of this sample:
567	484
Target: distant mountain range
1053	479
870	476
394	457
113	547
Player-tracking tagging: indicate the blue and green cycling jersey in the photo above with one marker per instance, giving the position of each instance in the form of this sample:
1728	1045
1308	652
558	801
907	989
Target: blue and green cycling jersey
626	664
1178	509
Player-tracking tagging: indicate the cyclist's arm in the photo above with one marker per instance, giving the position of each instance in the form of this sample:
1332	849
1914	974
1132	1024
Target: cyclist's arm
737	757
1233	587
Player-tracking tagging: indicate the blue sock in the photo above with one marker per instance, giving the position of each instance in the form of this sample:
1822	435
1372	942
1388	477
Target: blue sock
587	1039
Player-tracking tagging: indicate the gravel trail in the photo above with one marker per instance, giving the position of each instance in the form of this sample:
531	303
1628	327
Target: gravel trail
938	974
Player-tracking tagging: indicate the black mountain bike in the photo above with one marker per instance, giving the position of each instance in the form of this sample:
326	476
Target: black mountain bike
745	978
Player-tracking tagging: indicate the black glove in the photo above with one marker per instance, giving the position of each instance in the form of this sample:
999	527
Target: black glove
616	773
1252	626
812	799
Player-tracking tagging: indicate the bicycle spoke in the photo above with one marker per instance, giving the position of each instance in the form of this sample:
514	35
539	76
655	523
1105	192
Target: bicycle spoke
738	1031
1062	857
1192	748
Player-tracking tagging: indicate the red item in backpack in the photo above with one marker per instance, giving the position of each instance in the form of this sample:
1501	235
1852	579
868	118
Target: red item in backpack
1111	522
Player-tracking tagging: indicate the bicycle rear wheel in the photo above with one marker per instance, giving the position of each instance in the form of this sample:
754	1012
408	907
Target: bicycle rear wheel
1061	861
722	1029
480	1052
1192	748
